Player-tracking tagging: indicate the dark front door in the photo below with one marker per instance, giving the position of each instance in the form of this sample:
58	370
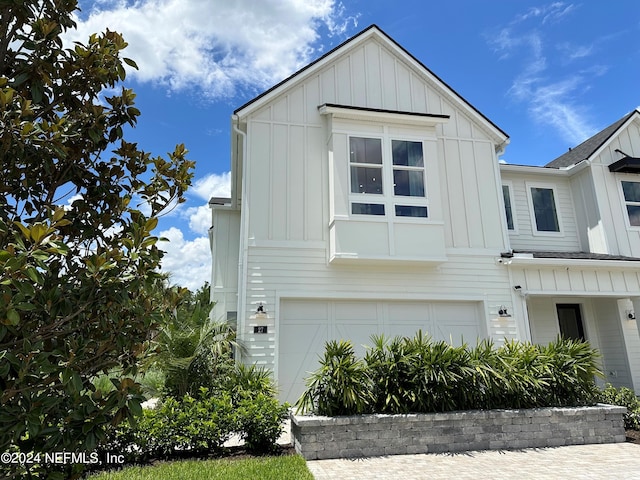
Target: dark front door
570	321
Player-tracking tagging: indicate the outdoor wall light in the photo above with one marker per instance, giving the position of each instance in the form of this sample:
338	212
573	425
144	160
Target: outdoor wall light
503	311
261	311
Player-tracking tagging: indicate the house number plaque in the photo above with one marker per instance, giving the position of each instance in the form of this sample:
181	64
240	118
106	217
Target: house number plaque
260	329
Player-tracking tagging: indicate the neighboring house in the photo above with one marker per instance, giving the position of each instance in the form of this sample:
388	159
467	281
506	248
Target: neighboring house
367	198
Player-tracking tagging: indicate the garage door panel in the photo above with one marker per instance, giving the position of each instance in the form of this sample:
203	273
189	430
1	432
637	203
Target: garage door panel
300	348
306	325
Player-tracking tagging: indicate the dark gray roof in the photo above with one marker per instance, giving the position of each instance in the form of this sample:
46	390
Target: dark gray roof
572	255
589	146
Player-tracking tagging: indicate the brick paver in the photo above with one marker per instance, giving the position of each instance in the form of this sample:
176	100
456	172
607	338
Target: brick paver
594	462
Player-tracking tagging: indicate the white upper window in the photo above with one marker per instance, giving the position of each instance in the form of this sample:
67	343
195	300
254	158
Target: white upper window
631	192
387	177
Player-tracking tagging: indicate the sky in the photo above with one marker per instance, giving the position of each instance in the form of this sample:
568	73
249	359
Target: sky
549	74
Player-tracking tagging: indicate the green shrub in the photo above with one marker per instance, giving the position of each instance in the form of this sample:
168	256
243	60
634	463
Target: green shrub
419	375
341	386
260	420
190	425
625	397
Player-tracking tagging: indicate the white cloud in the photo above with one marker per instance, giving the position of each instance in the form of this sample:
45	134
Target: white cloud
199	218
216	46
187	261
212	185
551	97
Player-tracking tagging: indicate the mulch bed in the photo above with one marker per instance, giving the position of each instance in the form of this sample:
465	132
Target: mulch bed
633	436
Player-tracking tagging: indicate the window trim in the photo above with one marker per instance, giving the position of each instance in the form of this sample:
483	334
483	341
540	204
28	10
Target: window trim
624	202
509	185
388	198
534	223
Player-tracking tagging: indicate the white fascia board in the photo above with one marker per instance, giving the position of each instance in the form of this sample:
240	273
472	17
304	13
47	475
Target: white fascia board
571	262
382	116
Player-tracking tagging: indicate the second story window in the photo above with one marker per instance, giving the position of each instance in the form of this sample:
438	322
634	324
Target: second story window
387	177
631	191
506	193
544	209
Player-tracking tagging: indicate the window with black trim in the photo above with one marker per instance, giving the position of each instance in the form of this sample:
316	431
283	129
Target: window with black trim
506	193
631	192
544	209
393	186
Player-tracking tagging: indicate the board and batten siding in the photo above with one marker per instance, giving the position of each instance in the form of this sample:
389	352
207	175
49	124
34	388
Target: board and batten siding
288	155
621	238
225	255
526	237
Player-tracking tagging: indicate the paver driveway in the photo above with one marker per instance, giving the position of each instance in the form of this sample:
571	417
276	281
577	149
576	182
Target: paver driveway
608	461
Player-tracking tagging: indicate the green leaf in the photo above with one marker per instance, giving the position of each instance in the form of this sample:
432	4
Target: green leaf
13	317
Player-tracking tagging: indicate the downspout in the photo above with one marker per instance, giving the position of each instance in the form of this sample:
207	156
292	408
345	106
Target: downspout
244	228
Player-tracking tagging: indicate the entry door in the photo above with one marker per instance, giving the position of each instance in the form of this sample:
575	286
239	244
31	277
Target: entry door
570	321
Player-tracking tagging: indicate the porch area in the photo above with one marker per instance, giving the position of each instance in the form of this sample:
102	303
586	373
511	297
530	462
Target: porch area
608	323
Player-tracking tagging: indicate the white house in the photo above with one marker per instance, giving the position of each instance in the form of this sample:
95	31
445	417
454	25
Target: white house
367	197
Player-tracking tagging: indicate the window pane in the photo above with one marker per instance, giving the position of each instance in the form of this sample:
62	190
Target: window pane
634	215
408	154
366	150
366	180
507	206
631	191
367	209
410	211
408	183
544	207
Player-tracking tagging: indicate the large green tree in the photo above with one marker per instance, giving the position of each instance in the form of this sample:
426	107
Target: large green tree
77	279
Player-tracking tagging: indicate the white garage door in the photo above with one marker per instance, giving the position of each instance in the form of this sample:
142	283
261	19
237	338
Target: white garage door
305	326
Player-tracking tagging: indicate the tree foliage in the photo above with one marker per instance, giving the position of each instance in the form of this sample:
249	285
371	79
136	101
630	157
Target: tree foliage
76	278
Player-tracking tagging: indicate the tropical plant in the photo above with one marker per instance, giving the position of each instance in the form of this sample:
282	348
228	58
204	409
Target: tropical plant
419	375
340	386
77	282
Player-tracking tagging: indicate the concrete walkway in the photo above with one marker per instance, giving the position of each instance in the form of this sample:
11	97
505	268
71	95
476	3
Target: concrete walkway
608	461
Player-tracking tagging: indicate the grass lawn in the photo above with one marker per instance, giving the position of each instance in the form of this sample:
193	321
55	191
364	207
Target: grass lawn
259	468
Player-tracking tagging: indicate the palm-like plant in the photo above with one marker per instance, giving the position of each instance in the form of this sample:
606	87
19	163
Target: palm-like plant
194	351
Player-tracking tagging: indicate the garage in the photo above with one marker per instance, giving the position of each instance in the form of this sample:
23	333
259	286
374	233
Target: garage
305	325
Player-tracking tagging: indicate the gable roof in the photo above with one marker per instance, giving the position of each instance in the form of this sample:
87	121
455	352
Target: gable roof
587	148
372	29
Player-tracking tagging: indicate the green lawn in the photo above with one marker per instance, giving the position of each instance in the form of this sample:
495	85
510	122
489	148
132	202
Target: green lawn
259	468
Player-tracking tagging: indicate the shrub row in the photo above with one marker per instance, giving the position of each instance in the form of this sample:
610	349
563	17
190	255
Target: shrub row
402	375
625	397
197	426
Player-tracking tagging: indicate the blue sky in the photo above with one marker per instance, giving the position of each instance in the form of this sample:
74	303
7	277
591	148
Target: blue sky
549	74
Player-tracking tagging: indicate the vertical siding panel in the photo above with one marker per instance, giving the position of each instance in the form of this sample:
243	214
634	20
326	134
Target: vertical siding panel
343	81
297	105
488	193
312	101
389	87
458	201
259	150
315	185
450	128
359	78
473	212
418	94
296	184
447	214
280	179
328	86
404	86
374	76
280	110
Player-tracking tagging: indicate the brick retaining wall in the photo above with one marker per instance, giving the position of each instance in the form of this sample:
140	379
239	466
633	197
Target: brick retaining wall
317	437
